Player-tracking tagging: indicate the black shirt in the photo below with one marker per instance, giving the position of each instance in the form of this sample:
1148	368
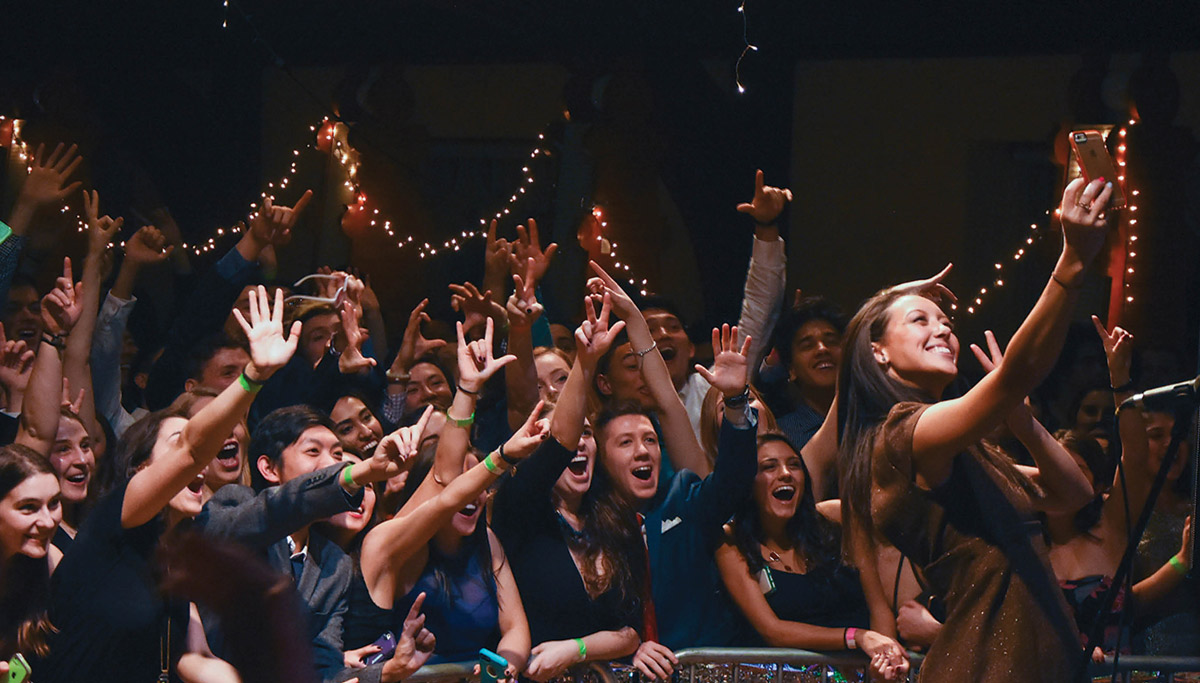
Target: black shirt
524	518
111	618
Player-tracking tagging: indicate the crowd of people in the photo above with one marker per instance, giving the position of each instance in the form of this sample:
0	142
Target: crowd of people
274	496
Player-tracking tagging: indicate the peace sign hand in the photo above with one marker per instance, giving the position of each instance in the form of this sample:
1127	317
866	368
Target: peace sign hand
594	337
523	307
101	229
269	348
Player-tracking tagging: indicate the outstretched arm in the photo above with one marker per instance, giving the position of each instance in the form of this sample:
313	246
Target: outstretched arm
39	417
682	447
391	546
1063	484
189	450
948	427
520	380
766	278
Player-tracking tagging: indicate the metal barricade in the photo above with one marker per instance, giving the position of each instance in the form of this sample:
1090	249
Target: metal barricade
779	665
1147	669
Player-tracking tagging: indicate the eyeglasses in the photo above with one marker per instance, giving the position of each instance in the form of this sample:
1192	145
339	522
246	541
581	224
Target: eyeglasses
338	295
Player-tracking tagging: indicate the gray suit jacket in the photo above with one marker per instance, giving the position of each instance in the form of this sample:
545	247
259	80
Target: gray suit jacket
263	521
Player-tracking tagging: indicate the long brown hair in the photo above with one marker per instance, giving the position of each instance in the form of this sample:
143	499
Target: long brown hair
25	593
866	394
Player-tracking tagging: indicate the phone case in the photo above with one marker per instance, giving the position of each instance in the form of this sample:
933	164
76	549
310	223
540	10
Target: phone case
491	666
386	644
1091	153
18	669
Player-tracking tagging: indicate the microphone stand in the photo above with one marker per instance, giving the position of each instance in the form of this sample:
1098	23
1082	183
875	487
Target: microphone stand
1096	633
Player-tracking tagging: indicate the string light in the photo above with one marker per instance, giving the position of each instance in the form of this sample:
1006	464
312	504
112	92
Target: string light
620	271
1128	269
21	148
1036	231
750	47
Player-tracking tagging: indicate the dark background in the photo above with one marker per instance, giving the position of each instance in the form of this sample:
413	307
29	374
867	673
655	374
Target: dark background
913	134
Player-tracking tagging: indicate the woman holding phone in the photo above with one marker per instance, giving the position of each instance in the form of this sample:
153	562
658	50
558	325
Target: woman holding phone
914	468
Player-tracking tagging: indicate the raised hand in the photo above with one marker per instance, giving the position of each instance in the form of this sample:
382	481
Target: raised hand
16	364
414	645
147	246
523	307
931	288
768	201
414	344
476	364
730	372
622	304
475	305
495	261
269	348
990	361
46	183
72	402
62	307
1084	217
531	434
352	359
528	247
273	224
1118	348
595	337
397	451
101	229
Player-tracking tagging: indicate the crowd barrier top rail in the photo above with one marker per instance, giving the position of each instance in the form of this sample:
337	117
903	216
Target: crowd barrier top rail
1163	668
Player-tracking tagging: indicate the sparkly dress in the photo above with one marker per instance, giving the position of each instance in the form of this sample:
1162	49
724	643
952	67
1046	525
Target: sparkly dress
980	547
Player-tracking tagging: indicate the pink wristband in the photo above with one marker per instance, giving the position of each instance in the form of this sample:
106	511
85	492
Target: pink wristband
850	642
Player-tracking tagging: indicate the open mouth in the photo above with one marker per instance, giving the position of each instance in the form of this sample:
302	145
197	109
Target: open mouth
825	365
358	512
469	509
668	353
228	455
196	485
369	447
578	465
784	493
26	333
643	472
76	476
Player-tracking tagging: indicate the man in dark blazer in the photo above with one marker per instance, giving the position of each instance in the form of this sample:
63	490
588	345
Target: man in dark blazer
300	479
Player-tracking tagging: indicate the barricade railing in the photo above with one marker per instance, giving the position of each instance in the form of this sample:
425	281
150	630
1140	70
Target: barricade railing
779	665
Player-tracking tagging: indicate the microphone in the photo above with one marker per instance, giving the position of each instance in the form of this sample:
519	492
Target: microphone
1163	397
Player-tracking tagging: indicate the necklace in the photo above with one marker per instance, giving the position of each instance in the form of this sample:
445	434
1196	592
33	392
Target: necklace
774	558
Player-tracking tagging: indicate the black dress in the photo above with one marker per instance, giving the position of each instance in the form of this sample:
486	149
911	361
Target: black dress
112	621
823	596
535	541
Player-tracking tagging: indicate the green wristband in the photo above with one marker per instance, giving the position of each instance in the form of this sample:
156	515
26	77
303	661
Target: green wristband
465	422
491	465
1177	564
582	648
248	384
347	479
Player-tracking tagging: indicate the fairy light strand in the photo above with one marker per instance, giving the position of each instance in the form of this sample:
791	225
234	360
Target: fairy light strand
1036	231
750	47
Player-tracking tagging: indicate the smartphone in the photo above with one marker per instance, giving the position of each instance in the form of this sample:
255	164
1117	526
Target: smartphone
491	666
386	644
1093	159
18	669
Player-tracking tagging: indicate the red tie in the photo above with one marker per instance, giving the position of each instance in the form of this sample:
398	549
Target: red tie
649	621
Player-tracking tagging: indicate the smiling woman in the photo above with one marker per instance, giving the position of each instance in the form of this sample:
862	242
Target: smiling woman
30	511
